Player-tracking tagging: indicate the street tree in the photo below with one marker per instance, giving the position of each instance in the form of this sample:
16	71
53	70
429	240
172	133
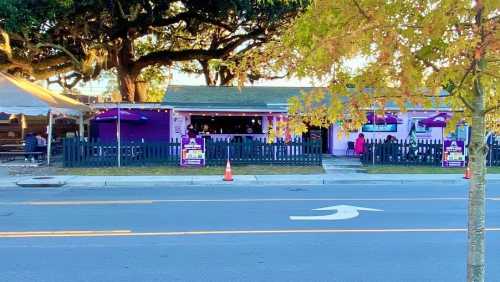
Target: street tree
425	52
79	39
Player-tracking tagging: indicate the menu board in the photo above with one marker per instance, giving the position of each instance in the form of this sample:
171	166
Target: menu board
454	153
192	151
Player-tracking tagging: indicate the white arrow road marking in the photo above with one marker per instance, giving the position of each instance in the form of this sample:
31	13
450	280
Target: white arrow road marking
343	212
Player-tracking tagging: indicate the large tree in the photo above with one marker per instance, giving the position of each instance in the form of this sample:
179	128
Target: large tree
256	61
418	51
82	38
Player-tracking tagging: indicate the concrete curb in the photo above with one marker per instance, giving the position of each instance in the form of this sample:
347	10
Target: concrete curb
239	180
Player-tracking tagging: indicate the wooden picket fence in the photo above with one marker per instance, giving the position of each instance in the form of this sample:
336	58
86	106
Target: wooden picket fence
77	153
427	152
295	152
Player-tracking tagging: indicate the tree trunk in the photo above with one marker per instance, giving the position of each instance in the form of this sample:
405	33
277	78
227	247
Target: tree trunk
126	76
206	72
141	91
477	188
226	76
127	84
478	152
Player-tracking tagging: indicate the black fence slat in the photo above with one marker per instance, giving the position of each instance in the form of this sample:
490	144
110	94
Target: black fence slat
95	153
427	152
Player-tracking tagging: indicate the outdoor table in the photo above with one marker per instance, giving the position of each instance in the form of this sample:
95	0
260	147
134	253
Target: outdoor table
11	147
11	141
6	146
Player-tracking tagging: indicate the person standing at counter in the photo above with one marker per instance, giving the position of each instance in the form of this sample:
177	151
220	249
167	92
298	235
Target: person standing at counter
205	130
191	131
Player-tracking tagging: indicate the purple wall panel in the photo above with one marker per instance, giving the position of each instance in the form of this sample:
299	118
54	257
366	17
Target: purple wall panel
156	128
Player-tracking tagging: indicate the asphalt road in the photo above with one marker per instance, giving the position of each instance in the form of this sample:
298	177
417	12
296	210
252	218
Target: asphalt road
240	234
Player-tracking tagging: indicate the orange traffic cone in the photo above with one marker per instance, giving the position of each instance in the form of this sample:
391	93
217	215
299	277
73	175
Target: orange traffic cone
467	174
228	174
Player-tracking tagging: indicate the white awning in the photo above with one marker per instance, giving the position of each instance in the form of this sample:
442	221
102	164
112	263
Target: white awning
19	96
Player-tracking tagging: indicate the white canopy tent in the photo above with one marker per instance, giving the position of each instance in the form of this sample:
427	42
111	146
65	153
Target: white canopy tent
21	97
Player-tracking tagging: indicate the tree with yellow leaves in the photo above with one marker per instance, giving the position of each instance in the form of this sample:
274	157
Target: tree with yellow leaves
418	52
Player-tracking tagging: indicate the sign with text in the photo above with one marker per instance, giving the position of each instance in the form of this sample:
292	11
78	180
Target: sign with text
379	128
192	151
454	153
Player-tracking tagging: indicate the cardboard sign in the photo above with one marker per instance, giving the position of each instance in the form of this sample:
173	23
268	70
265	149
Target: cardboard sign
454	153
192	151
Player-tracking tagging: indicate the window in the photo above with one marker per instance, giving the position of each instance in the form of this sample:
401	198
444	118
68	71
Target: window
380	128
228	124
418	128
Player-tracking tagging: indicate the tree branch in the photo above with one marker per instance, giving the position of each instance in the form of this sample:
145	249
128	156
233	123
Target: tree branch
467	104
454	90
492	109
51	61
66	51
361	11
491	74
50	72
254	76
206	73
167	57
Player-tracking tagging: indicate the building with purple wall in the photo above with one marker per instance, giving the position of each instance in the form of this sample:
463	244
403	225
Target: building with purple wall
137	124
249	112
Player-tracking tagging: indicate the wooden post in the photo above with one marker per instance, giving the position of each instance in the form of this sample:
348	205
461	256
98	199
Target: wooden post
442	147
118	135
80	125
373	144
23	126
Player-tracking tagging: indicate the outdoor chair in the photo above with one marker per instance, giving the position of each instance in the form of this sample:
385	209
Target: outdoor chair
350	148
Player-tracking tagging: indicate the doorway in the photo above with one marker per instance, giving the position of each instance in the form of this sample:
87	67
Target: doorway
318	133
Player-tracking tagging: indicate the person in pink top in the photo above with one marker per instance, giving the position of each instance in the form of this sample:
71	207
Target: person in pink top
359	145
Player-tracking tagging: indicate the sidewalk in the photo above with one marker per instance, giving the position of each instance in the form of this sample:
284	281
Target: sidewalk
142	181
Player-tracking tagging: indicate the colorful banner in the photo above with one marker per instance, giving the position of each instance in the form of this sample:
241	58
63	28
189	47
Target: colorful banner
454	153
192	151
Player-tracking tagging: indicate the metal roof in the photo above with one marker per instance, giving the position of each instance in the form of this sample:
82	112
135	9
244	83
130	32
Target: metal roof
257	98
251	99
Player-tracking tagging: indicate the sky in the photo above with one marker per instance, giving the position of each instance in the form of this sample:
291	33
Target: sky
179	78
97	87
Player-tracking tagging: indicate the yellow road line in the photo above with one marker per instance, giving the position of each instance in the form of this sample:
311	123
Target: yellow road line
128	233
125	202
105	202
237	200
59	233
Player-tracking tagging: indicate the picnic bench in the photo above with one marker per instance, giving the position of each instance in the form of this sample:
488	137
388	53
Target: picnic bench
12	147
12	155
